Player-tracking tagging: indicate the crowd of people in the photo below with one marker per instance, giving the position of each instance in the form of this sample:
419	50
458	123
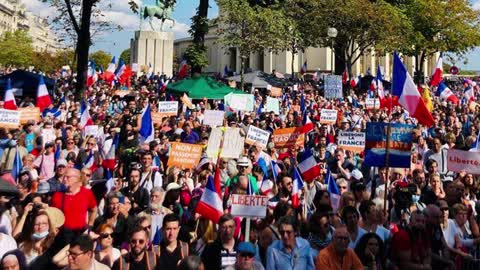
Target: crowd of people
73	212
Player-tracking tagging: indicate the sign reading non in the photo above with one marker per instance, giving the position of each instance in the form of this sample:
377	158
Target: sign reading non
257	136
333	86
353	141
254	206
184	155
328	116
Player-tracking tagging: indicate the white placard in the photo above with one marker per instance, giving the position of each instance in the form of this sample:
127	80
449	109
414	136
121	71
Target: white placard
468	161
273	105
10	118
213	145
168	107
333	86
257	136
213	118
249	205
91	130
240	102
372	103
328	116
48	135
353	141
232	143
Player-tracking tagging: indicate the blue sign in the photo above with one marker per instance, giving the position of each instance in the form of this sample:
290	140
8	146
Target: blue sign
400	145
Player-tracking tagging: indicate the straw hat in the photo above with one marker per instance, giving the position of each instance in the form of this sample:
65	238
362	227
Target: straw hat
56	216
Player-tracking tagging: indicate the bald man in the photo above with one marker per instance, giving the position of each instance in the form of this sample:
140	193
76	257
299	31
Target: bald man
440	259
75	203
337	255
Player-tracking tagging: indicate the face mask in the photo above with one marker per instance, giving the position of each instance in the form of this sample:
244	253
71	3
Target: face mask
415	198
39	236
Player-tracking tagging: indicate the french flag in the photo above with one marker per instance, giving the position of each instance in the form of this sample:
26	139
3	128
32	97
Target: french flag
345	75
53	112
120	69
476	145
354	82
92	76
210	205
446	94
379	81
58	152
469	93
332	188
182	71
109	74
90	162
163	85
9	100
150	71
297	187
43	98
146	128
307	123
303	70
308	166
110	161
275	170
437	76
85	119
110	183
408	96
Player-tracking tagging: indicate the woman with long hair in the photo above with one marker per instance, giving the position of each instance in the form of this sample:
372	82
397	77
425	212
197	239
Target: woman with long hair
105	252
370	250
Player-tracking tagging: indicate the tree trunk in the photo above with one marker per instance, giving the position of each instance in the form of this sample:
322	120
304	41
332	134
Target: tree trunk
242	65
199	35
293	65
83	46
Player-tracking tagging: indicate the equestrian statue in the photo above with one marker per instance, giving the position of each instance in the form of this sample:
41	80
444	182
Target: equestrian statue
159	11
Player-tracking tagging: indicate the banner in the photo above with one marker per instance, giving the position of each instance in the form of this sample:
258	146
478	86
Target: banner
273	105
29	113
9	118
288	137
468	161
184	155
254	206
234	146
257	136
328	116
372	103
213	118
213	146
168	108
276	92
333	86
353	141
240	102
400	145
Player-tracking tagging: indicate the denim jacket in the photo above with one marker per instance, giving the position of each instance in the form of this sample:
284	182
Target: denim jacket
299	259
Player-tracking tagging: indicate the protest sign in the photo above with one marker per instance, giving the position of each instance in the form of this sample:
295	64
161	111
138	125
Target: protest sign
333	86
288	137
213	146
168	108
257	136
254	206
9	118
91	130
273	105
122	93
276	91
328	116
213	118
187	101
372	103
48	135
353	141
29	113
157	118
240	102
468	161
234	147
184	155
400	145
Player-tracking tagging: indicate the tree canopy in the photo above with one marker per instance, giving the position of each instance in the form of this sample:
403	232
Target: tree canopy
125	55
16	49
101	58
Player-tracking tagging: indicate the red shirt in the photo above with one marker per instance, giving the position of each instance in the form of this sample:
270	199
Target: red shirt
75	207
402	241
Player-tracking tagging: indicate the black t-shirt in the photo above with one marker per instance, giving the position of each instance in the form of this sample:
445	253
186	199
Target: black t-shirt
167	259
133	265
436	236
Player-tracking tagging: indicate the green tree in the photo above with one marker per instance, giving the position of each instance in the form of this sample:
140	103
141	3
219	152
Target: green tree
125	55
101	58
16	49
45	61
251	29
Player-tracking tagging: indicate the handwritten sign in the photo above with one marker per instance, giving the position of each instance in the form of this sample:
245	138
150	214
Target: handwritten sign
328	116
168	108
9	118
213	118
459	160
91	130
29	113
276	91
333	86
187	101
184	155
240	102
257	136
288	137
249	205
233	146
353	141
273	105
372	103
213	146
157	118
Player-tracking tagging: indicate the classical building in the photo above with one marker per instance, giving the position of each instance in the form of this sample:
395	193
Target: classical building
14	16
322	59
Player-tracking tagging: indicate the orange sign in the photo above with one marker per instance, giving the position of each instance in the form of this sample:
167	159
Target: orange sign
185	155
276	92
30	113
288	137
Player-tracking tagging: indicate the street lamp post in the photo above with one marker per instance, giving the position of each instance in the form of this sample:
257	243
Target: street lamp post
332	33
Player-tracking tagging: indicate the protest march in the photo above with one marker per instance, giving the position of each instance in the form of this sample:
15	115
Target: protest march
313	174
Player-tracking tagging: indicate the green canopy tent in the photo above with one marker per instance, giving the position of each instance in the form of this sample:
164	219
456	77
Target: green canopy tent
201	87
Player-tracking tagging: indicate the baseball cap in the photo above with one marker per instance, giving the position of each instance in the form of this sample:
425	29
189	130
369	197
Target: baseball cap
173	185
244	162
61	162
246	247
43	188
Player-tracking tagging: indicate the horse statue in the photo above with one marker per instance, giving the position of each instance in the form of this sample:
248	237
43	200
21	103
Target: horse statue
157	11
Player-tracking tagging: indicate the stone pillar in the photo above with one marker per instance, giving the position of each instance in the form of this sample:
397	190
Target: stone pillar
153	48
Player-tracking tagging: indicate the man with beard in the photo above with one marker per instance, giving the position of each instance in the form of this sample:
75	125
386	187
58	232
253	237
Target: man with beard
138	258
137	194
411	247
285	187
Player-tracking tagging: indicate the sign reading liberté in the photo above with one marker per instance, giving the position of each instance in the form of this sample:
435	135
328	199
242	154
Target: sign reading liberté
328	116
353	141
254	206
257	136
468	161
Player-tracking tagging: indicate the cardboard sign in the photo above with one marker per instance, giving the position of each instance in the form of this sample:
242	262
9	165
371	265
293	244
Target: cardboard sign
257	136
213	146
184	155
30	113
254	206
213	118
459	160
9	118
233	143
372	103
157	118
288	137
276	91
273	105
328	116
168	108
333	86
353	141
91	130
187	101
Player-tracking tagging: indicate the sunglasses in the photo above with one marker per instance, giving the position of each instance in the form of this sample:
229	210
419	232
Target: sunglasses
247	255
106	235
139	241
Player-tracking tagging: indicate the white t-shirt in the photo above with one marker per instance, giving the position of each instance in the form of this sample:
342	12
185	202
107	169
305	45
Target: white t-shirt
7	243
453	230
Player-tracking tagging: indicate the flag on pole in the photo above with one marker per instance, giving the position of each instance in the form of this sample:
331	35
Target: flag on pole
275	170
354	81
17	165
437	75
408	96
109	74
297	187
379	81
43	98
210	205
120	69
150	71
444	92
332	188
146	129
85	119
182	71
308	166
92	76
469	94
303	70
307	123
9	99
109	161
90	162
110	183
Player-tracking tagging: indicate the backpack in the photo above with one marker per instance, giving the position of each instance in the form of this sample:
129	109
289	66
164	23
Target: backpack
151	261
